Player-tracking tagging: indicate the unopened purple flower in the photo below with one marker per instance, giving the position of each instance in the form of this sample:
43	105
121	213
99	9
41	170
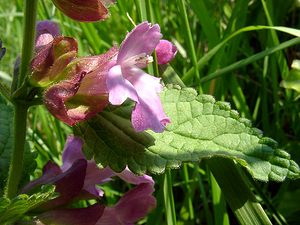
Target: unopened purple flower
126	79
51	59
165	51
75	88
83	92
46	31
77	179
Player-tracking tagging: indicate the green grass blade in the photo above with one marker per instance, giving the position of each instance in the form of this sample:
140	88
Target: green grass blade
220	212
188	37
169	199
204	60
237	193
250	59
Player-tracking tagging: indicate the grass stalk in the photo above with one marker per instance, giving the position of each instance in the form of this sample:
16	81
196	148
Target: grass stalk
169	199
184	17
189	192
250	59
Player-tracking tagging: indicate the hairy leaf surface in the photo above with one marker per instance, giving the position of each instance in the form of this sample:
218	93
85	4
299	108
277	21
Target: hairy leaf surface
200	128
12	210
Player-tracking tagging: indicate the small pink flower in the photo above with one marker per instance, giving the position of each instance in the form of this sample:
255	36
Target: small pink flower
126	79
46	31
165	51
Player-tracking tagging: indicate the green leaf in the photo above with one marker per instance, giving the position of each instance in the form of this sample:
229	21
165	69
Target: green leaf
6	140
12	210
200	128
237	192
292	81
6	145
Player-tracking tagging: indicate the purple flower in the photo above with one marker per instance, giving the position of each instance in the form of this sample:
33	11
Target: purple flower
77	179
165	51
126	79
79	88
83	93
75	88
46	31
51	59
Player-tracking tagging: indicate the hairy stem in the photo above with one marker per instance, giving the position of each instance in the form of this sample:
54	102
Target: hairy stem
16	163
21	107
28	39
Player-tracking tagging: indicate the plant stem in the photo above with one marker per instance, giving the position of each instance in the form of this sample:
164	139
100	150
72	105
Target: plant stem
30	12
188	192
16	164
20	109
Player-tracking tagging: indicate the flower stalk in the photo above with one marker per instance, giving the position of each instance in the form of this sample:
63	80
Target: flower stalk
16	163
20	107
30	12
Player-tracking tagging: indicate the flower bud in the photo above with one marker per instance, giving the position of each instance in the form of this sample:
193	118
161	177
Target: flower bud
46	31
84	10
83	92
165	51
51	59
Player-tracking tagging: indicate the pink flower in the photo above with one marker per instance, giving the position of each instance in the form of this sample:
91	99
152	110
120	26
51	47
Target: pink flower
75	88
83	93
77	179
79	88
51	59
165	51
84	10
46	31
126	79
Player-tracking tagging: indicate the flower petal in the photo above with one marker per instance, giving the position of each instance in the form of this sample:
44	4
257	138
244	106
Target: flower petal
130	177
134	205
118	87
94	175
148	112
165	51
46	31
94	83
72	152
141	40
50	170
51	60
79	216
47	27
68	184
56	96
